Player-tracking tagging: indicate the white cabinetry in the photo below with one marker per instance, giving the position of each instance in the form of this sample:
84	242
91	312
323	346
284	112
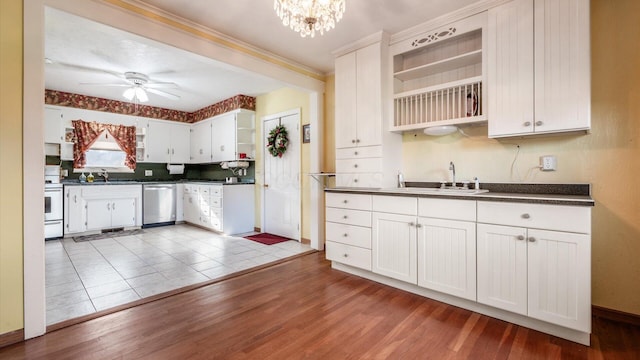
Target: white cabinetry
447	246
361	86
539	72
348	229
439	76
74	210
201	142
98	207
394	237
535	260
167	142
227	209
53	126
224	137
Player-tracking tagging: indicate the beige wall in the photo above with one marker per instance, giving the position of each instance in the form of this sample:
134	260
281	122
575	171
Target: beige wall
11	291
608	158
272	103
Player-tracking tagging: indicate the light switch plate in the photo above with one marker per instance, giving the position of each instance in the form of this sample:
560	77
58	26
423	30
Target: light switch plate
148	173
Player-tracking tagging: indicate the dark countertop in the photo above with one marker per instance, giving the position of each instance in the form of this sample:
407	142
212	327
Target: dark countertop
552	194
138	182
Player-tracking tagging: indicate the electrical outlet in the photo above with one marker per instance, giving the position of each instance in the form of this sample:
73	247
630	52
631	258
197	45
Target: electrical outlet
548	163
148	173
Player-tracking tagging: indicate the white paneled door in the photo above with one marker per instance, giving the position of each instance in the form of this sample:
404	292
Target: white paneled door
282	180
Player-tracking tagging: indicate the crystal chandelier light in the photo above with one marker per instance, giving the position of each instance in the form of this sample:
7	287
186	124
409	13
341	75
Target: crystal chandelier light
309	16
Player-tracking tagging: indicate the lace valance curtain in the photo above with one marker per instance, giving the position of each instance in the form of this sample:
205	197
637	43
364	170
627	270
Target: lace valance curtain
86	133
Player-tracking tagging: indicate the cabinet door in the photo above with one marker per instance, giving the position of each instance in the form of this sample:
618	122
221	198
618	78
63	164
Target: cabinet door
123	212
158	141
368	96
191	208
345	111
180	141
394	245
559	271
502	267
201	142
223	138
447	256
74	210
510	69
562	65
98	214
53	126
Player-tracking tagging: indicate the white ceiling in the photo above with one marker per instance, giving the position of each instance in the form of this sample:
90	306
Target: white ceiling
100	54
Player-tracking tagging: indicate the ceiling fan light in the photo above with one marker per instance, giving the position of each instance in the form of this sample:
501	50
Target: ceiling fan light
129	93
141	94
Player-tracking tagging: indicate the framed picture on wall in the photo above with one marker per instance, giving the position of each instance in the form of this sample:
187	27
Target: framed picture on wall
306	133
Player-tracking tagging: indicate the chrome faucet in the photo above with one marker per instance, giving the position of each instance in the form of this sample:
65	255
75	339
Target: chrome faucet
104	174
452	167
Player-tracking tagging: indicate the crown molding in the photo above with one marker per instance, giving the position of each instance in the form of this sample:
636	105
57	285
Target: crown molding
380	36
445	19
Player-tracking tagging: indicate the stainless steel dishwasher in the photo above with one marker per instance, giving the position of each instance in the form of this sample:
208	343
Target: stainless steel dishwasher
159	204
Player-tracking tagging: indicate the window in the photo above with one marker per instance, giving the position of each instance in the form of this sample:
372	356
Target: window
105	154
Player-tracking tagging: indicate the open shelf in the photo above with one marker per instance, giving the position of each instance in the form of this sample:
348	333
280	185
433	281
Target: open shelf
453	63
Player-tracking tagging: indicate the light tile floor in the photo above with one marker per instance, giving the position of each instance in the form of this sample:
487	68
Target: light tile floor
86	277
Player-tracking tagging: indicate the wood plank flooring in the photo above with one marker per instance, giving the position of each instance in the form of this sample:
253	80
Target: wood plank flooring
304	309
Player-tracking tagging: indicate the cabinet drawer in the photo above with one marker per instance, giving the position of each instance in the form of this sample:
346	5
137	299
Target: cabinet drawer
216	202
190	188
395	204
349	255
550	217
359	152
368	165
447	209
216	214
204	190
216	191
349	217
360	180
349	234
348	201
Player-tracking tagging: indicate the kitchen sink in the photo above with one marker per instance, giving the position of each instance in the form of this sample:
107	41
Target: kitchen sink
446	191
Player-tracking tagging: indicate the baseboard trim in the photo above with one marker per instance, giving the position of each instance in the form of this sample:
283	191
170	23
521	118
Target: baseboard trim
615	315
305	241
257	229
12	337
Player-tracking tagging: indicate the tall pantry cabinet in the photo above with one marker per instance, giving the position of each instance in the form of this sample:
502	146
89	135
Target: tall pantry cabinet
367	154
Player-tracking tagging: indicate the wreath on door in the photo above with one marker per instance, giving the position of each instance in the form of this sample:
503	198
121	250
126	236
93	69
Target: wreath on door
277	141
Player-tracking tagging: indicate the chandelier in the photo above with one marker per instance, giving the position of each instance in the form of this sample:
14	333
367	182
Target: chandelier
309	16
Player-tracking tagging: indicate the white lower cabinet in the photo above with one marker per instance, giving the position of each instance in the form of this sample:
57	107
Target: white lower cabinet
541	273
348	229
99	207
228	209
529	259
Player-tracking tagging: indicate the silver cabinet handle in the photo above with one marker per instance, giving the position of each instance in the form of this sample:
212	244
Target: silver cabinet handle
108	206
357	140
532	239
353	141
355	180
345	235
173	151
355	166
525	216
355	153
412	224
344	217
520	237
346	255
113	206
418	225
345	201
168	151
527	123
75	198
539	123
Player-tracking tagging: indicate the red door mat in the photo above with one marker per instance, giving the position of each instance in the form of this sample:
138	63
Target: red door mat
267	239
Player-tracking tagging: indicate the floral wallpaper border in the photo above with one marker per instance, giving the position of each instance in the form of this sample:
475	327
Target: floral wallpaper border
60	98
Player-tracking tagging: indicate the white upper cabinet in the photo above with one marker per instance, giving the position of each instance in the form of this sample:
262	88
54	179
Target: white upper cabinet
539	74
201	142
53	126
223	138
359	97
167	142
439	76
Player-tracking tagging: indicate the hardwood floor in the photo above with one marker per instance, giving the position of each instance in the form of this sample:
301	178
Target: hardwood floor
304	309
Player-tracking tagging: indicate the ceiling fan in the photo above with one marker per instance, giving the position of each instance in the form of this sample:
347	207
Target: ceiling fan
137	84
